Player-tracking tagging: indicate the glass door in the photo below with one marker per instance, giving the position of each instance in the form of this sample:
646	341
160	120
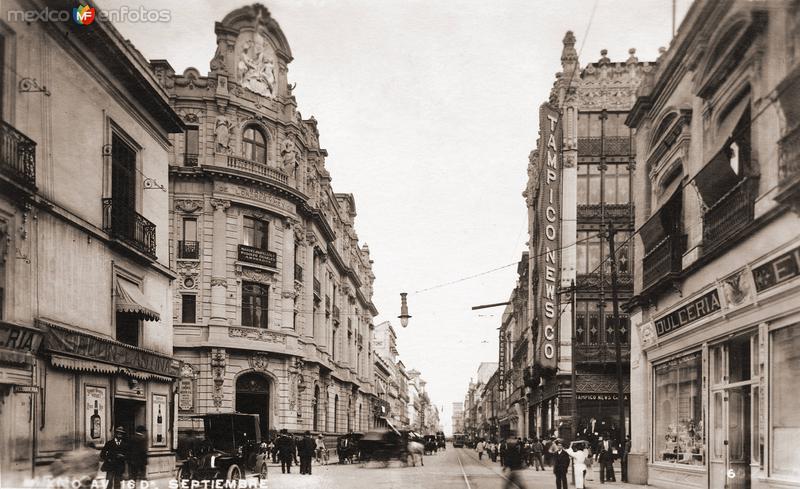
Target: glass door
732	388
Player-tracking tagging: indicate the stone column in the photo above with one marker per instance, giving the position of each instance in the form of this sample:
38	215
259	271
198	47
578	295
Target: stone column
287	277
219	262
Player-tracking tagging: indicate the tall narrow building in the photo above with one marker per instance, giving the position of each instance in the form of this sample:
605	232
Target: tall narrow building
579	185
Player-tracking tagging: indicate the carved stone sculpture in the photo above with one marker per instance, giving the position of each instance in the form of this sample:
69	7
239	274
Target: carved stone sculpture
222	134
257	69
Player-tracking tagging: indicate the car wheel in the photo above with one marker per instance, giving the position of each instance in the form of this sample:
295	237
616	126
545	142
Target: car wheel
234	473
262	474
183	474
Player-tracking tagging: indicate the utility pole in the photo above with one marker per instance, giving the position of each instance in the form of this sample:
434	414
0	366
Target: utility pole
615	301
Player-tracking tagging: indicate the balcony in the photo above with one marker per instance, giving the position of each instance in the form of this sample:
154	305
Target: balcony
789	168
598	212
663	260
188	250
126	225
601	353
18	156
257	256
257	168
317	288
732	213
298	273
336	314
190	160
612	146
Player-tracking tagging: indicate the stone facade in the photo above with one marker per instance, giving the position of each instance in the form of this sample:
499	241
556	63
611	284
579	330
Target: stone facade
84	228
715	301
273	306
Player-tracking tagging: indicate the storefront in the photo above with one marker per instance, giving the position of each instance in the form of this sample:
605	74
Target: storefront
721	369
18	345
105	384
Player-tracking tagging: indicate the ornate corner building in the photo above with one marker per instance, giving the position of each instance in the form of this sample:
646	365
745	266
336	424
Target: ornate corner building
272	305
578	184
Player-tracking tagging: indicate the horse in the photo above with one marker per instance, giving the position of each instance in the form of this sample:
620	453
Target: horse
416	449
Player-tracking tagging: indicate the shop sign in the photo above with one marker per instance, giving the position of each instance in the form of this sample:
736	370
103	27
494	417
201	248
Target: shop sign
546	185
186	394
95	415
601	397
501	366
19	338
693	311
778	270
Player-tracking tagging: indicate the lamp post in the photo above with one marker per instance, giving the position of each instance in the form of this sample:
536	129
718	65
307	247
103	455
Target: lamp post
404	317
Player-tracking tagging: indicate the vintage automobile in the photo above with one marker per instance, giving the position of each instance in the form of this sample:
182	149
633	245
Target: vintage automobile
387	445
230	447
431	444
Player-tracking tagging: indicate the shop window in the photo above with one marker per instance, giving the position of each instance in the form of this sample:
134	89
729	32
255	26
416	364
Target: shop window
256	233
678	412
127	328
189	308
255	299
785	384
254	144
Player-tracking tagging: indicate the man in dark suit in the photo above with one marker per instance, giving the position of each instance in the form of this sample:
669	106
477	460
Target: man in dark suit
561	462
512	461
114	456
306	451
606	458
286	451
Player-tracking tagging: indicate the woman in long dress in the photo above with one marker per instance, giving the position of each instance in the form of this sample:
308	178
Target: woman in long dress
578	454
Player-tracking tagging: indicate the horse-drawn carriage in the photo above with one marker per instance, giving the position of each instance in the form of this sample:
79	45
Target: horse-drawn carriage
431	444
391	445
347	447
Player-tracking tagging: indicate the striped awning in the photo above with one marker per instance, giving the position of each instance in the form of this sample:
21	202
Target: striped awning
82	365
131	300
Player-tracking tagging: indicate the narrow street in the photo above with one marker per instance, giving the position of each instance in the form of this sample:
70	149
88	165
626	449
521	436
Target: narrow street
455	468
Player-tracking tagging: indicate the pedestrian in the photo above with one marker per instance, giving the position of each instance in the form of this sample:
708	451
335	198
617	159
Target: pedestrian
578	455
137	460
606	459
480	447
561	461
502	450
319	446
626	449
306	450
538	449
296	442
286	451
273	451
528	453
550	452
114	456
513	465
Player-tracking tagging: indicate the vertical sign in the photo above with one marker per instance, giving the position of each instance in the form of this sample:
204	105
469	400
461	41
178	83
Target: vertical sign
95	415
159	420
548	235
501	365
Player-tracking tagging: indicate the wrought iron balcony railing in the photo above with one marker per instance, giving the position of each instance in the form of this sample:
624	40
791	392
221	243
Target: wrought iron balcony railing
189	250
17	156
612	146
257	168
663	260
125	224
730	214
258	256
298	273
789	166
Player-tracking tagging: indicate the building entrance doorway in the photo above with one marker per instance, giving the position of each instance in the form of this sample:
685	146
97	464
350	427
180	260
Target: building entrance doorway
128	413
734	394
252	397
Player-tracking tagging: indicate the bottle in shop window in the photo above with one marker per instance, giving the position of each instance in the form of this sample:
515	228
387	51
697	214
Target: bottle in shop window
94	423
159	426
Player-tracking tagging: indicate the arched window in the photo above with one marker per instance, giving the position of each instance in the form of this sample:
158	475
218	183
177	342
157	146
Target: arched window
254	144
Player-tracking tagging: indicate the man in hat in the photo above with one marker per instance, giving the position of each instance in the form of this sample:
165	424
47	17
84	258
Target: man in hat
561	461
286	451
306	451
114	455
137	457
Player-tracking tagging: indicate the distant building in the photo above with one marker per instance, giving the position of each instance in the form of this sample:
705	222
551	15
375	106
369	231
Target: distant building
457	417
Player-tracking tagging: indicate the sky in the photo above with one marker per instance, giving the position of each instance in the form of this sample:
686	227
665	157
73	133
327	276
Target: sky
428	110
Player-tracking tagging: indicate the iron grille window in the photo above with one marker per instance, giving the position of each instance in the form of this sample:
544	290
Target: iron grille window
256	233
127	328
189	308
255	301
